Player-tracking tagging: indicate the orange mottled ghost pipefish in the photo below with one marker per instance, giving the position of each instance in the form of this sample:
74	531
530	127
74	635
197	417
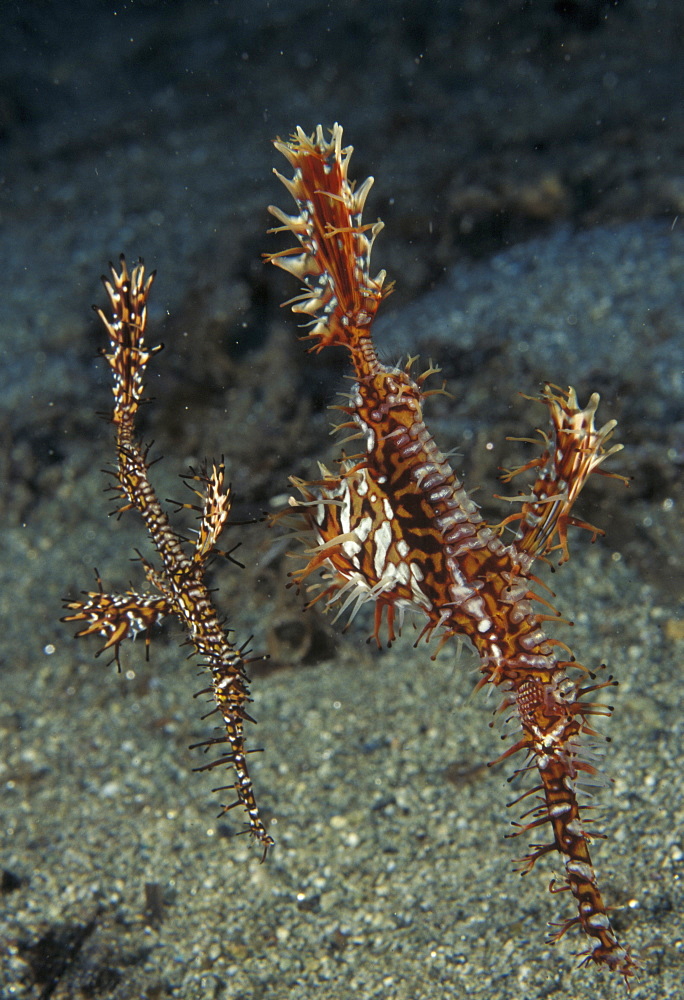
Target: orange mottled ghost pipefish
397	527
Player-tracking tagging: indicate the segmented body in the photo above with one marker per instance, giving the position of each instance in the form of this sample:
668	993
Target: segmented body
397	527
